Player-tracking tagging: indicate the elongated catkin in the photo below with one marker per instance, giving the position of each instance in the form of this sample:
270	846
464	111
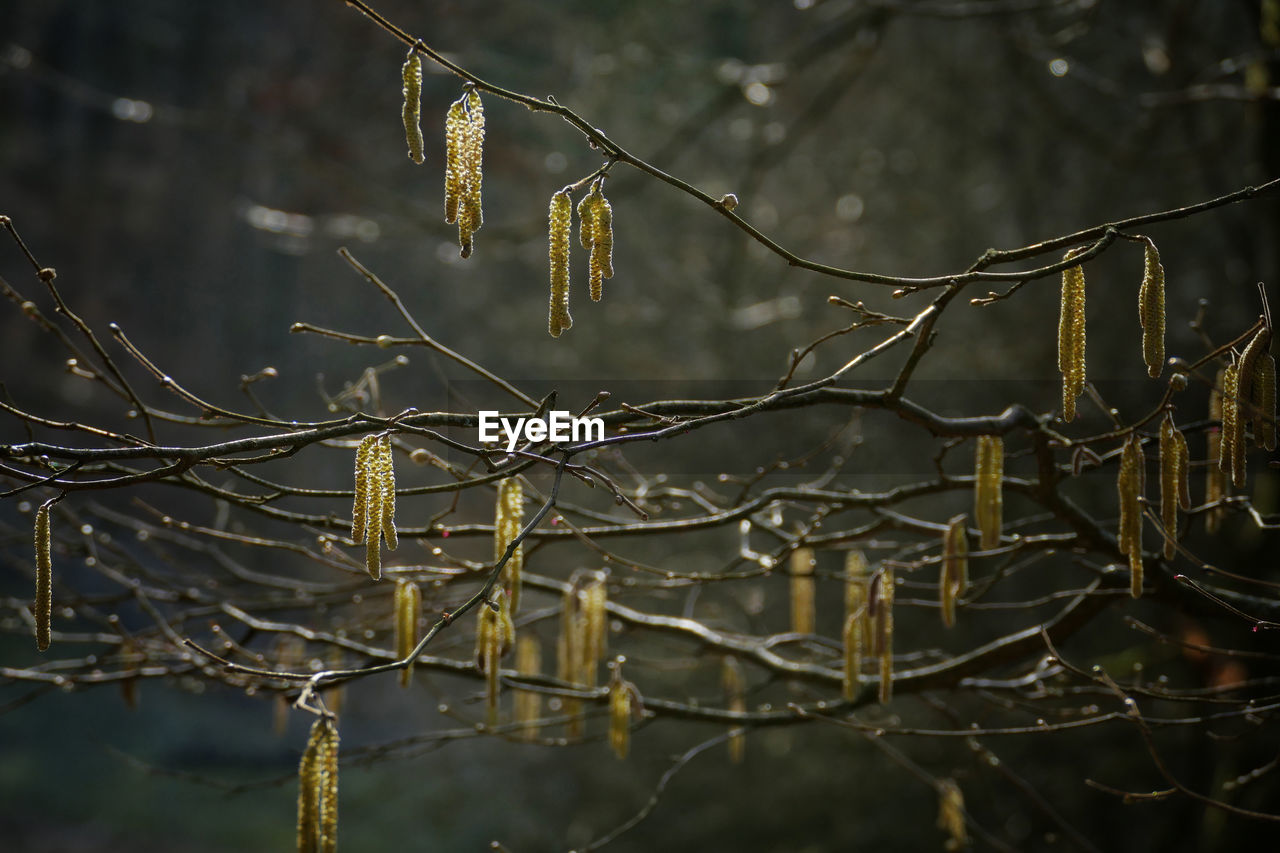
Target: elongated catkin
1258	346
471	210
1232	459
44	578
884	633
802	590
408	606
951	814
412	75
1151	310
735	690
1129	485
988	494
1215	483
601	260
559	224
318	790
857	577
508	519
953	574
1263	397
593	597
1174	491
569	656
621	693
1071	336
456	127
528	705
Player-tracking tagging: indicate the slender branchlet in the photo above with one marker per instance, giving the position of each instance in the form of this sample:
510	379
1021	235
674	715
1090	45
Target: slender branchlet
1151	310
883	603
988	489
508	519
1129	485
44	578
951	814
802	590
412	74
318	790
1215	482
1071	337
735	699
953	576
1174	484
408	605
559	223
528	705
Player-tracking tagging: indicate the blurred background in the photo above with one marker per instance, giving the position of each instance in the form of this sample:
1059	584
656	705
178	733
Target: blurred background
190	169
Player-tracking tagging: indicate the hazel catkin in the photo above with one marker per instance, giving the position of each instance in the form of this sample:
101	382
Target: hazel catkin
1129	486
1263	397
408	607
953	574
884	633
1151	310
735	690
412	75
508	519
318	790
1174	491
528	705
559	224
44	578
802	590
1071	336
988	496
1215	483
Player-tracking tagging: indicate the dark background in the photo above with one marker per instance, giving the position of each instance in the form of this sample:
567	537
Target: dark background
191	168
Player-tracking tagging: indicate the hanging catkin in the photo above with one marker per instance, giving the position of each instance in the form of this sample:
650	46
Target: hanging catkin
44	578
953	575
464	167
569	656
593	597
951	814
1263	397
802	590
1071	336
495	634
621	693
528	705
851	639
884	633
857	577
408	606
1232	459
373	514
318	790
559	224
988	492
1151	310
1129	488
508	519
1215	482
735	694
412	74
1174	487
456	126
1258	346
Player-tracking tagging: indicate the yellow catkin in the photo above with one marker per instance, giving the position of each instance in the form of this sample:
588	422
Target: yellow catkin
1263	397
1232	459
528	705
857	576
456	127
735	695
620	692
988	491
408	602
1129	486
360	508
593	598
951	814
387	483
1174	460
470	209
569	654
1071	337
953	575
1258	345
318	790
802	590
1215	484
559	223
1151	310
884	633
495	633
586	226
851	639
44	578
601	261
412	74
508	519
